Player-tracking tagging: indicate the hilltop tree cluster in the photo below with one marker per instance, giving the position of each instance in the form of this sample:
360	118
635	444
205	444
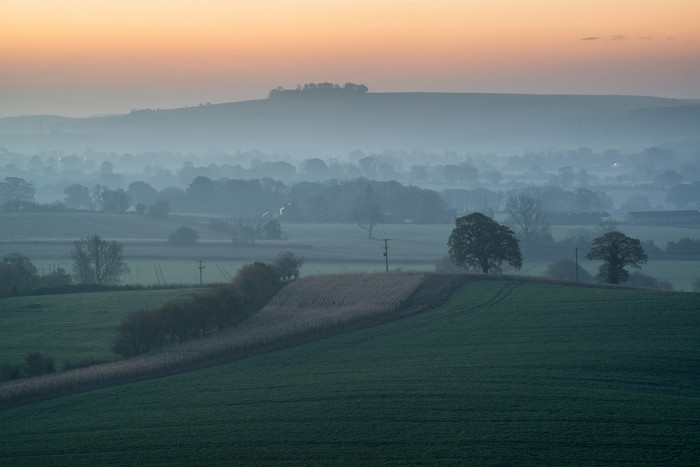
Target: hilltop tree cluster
319	89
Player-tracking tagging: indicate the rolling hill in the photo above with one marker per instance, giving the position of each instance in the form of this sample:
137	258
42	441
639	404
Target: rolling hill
336	125
504	373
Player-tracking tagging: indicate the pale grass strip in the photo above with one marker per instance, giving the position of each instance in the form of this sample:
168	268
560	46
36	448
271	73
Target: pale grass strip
306	306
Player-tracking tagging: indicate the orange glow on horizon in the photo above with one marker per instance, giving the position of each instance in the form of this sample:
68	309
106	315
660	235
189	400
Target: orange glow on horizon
45	44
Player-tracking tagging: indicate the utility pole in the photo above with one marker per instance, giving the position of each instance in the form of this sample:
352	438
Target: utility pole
576	249
386	253
200	272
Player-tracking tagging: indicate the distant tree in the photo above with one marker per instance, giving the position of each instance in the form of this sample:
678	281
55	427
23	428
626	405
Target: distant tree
16	193
479	243
684	195
427	204
140	209
567	269
366	210
96	196
142	192
617	251
669	178
257	281
16	189
17	274
159	210
77	197
97	261
589	200
115	201
246	231
272	230
183	236
314	169
288	265
528	215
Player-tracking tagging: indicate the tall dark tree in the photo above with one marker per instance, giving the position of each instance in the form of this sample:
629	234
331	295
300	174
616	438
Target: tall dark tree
617	251
479	243
98	261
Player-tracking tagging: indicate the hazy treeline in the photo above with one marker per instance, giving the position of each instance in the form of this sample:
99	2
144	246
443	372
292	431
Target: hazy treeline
667	178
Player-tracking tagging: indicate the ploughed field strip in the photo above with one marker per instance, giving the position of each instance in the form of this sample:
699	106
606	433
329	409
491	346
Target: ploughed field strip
504	373
302	309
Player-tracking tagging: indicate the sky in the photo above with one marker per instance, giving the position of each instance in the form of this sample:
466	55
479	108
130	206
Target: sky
85	57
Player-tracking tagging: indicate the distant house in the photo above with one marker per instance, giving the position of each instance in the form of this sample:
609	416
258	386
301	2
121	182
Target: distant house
663	217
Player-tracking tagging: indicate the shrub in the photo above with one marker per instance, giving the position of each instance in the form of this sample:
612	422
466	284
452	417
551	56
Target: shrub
258	281
638	279
57	278
183	236
272	230
139	333
288	265
37	364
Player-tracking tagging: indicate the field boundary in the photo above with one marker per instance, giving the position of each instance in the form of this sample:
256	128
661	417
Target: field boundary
434	290
18	392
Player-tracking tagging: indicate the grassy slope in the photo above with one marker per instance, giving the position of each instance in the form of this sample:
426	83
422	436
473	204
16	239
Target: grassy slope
505	373
71	327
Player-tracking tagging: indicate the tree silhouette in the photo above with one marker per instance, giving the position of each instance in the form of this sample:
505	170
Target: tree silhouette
97	261
479	243
617	251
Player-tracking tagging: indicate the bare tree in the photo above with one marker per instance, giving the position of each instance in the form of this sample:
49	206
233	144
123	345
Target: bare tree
528	214
97	261
366	210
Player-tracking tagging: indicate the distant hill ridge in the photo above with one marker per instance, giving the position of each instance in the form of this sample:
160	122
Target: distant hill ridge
337	124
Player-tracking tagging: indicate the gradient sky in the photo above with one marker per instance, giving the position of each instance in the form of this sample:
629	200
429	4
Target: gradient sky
81	57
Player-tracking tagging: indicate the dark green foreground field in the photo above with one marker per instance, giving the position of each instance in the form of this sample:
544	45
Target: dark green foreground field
505	373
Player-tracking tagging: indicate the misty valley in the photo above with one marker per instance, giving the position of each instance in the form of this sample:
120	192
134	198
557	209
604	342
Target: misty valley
529	264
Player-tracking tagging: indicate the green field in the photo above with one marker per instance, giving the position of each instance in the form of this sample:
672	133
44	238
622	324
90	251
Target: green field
506	373
71	327
46	238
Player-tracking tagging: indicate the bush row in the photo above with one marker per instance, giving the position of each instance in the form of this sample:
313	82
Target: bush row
176	321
